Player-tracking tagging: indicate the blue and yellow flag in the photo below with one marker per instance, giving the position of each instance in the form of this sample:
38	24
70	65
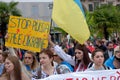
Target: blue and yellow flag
67	14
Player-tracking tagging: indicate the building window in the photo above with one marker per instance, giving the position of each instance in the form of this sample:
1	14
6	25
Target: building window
35	10
111	3
50	6
102	4
96	4
102	0
118	5
118	0
90	6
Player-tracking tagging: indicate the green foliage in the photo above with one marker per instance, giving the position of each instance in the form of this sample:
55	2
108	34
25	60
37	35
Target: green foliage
60	30
105	17
7	9
90	22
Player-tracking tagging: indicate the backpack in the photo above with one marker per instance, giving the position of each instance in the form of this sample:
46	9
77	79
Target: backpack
106	67
90	65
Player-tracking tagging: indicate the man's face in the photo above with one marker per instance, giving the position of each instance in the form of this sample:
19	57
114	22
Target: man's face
110	47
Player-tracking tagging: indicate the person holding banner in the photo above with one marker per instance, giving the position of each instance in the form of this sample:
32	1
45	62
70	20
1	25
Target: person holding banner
46	65
98	61
81	59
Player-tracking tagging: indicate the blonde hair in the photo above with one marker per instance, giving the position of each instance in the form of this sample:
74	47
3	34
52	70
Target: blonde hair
117	48
35	62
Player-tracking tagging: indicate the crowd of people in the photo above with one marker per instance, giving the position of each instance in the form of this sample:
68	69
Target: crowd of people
65	58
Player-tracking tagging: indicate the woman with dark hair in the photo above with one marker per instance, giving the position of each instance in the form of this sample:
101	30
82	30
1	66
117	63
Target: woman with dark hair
98	61
13	69
46	65
81	59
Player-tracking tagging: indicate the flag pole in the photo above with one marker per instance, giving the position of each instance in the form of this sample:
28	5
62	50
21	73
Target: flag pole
50	6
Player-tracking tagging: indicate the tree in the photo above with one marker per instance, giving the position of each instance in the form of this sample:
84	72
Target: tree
105	17
90	22
7	9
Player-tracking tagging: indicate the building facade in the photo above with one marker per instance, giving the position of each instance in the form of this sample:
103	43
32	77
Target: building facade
90	5
36	10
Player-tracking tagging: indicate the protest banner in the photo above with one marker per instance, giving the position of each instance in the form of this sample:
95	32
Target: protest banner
88	75
28	34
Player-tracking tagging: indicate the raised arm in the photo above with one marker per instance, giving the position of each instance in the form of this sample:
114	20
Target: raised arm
61	53
12	51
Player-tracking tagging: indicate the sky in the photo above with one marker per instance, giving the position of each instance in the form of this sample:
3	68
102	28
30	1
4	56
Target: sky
28	0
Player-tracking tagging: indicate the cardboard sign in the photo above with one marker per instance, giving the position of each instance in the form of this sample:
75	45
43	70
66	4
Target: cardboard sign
27	33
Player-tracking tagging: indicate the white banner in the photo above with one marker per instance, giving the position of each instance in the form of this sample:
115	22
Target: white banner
88	75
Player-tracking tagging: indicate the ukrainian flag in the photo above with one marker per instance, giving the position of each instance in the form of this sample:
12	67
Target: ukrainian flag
68	15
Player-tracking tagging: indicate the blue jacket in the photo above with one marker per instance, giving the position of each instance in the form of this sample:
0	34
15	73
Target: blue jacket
1	68
68	65
109	62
